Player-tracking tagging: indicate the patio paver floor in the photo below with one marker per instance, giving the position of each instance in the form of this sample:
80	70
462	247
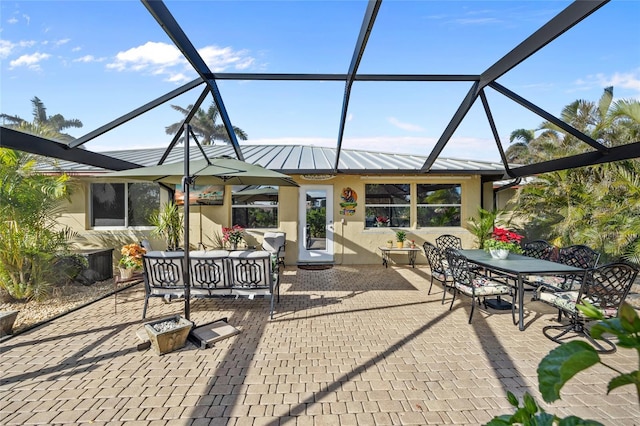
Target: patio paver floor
352	345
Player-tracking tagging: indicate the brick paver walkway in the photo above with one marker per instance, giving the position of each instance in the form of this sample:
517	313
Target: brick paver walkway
353	345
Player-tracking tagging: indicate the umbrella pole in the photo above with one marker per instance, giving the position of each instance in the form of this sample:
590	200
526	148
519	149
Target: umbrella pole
186	182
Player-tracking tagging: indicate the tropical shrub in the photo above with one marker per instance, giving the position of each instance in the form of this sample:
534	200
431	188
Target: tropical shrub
30	240
169	223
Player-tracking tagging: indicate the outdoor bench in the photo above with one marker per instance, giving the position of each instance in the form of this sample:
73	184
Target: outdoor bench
215	273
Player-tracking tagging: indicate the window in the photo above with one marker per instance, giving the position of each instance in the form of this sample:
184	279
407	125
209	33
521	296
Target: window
255	206
123	205
388	201
438	205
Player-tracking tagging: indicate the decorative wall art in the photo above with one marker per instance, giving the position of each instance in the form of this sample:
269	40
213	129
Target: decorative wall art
348	204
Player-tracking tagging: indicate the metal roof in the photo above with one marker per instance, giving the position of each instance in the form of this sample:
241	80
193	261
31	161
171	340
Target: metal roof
298	159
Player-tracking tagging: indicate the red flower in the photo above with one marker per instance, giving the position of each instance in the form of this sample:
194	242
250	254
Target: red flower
233	235
504	239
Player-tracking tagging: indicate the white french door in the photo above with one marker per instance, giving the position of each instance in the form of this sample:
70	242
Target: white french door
315	223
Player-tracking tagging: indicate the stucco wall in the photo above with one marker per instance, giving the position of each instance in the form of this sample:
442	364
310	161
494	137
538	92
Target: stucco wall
353	244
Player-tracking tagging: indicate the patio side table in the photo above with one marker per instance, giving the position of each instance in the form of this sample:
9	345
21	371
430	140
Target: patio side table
411	252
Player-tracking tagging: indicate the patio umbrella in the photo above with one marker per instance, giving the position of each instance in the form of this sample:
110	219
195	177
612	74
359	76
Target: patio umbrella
221	170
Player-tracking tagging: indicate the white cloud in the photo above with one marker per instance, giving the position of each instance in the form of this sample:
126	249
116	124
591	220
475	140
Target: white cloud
5	48
12	20
61	42
221	58
629	80
149	55
626	80
88	58
30	61
405	126
164	59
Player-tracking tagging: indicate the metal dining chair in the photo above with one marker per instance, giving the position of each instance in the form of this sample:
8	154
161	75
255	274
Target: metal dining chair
475	286
605	288
579	256
447	241
540	249
439	269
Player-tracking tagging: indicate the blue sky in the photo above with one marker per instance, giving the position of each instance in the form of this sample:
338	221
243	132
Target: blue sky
98	60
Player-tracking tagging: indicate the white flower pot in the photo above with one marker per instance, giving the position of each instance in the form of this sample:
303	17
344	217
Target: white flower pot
499	253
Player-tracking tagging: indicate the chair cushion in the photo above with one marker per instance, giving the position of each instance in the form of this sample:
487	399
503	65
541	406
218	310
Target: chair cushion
566	300
440	276
554	282
483	287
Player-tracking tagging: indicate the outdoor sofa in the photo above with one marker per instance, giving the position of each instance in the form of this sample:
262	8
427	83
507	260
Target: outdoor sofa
214	273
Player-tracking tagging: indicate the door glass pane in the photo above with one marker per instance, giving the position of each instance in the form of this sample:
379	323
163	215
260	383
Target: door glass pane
316	229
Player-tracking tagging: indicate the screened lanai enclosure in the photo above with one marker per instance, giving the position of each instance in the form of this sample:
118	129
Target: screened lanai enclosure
482	65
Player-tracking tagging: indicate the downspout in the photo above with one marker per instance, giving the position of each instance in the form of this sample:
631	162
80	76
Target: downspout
515	182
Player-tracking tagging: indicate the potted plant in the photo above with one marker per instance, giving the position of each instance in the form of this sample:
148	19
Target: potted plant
412	243
401	236
233	235
390	243
131	259
503	242
169	225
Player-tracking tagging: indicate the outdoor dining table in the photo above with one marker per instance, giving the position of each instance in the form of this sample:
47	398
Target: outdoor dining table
517	267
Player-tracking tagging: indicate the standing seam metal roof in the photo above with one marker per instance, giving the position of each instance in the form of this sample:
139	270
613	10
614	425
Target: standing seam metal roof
299	159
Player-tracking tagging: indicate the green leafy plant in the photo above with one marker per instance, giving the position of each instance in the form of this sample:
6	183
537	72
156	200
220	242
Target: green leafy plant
482	227
503	239
31	240
401	236
169	224
570	358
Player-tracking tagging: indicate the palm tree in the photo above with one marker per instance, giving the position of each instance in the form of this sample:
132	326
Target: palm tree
597	205
204	125
51	127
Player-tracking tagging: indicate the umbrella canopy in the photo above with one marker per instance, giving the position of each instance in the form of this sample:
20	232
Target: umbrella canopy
220	170
254	194
215	171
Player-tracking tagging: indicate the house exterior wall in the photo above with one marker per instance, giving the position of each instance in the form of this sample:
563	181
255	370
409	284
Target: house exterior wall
353	242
